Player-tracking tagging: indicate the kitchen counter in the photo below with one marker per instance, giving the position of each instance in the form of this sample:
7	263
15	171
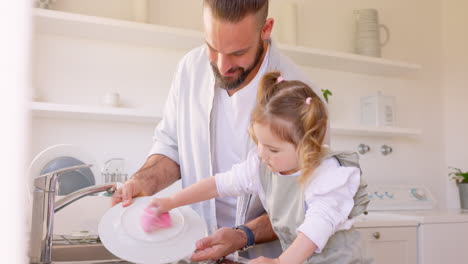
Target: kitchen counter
380	219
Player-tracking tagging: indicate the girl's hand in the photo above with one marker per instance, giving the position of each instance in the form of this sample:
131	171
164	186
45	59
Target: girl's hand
162	204
263	260
155	215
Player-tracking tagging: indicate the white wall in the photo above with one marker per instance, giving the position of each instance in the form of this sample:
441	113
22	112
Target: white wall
455	89
415	28
119	9
177	13
15	86
81	71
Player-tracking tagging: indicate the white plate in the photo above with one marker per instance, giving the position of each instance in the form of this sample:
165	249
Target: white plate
57	151
121	233
41	161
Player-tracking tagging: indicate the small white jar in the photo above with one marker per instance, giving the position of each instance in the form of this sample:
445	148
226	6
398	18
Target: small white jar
112	99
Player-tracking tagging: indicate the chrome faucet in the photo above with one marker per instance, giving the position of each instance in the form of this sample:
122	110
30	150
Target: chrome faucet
44	207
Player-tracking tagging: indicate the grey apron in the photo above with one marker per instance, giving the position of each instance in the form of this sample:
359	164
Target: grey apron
285	205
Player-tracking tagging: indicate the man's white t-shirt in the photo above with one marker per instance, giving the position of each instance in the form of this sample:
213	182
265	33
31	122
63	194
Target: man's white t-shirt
231	141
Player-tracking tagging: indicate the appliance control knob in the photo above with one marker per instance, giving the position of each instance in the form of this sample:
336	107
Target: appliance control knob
389	195
379	195
376	235
418	194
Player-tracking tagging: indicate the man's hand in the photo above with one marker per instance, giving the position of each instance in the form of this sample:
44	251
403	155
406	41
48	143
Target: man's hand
131	188
157	173
263	260
227	240
222	243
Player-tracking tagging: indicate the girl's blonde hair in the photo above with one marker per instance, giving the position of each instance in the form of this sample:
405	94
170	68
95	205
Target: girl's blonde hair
295	114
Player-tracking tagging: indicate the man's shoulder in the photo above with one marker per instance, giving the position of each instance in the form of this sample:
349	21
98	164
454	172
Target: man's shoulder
194	64
195	55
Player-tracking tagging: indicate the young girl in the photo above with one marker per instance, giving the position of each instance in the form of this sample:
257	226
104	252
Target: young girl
304	188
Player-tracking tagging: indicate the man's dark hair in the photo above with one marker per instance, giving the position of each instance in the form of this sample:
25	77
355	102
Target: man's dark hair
235	10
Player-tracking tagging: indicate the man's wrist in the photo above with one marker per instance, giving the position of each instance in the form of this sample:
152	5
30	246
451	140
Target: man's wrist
248	235
241	241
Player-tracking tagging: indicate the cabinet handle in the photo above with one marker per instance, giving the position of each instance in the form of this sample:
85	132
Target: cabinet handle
376	235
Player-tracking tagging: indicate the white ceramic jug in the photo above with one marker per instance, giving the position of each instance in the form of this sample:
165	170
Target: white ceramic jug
367	37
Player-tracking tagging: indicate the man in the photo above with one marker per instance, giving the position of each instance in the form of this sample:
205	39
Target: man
204	129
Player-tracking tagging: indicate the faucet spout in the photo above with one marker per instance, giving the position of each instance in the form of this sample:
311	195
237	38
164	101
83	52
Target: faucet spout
44	207
72	197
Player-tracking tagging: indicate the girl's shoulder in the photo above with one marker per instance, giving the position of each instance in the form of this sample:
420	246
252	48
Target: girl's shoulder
328	163
330	175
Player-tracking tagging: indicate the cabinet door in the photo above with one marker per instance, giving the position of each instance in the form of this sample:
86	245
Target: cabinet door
390	245
444	243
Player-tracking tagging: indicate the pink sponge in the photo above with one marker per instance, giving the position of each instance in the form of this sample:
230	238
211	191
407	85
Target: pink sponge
150	221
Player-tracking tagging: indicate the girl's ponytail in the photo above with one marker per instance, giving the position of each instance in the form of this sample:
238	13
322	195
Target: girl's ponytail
314	120
269	85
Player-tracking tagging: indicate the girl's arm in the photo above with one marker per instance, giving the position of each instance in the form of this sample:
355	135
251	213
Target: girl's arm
198	192
297	253
242	178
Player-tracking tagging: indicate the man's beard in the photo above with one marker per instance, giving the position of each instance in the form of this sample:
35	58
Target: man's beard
225	83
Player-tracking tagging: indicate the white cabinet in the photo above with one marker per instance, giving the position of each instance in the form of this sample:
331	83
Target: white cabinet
444	242
390	245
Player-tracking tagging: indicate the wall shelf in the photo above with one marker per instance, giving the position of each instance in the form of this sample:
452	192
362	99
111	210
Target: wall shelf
107	29
348	62
86	112
135	115
114	30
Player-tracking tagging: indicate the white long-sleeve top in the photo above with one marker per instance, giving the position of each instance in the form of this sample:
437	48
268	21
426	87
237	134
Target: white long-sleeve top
328	194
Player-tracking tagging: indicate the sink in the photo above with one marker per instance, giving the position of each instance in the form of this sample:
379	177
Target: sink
86	253
98	254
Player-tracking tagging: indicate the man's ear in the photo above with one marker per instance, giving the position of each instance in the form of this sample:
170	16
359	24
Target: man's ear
267	28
